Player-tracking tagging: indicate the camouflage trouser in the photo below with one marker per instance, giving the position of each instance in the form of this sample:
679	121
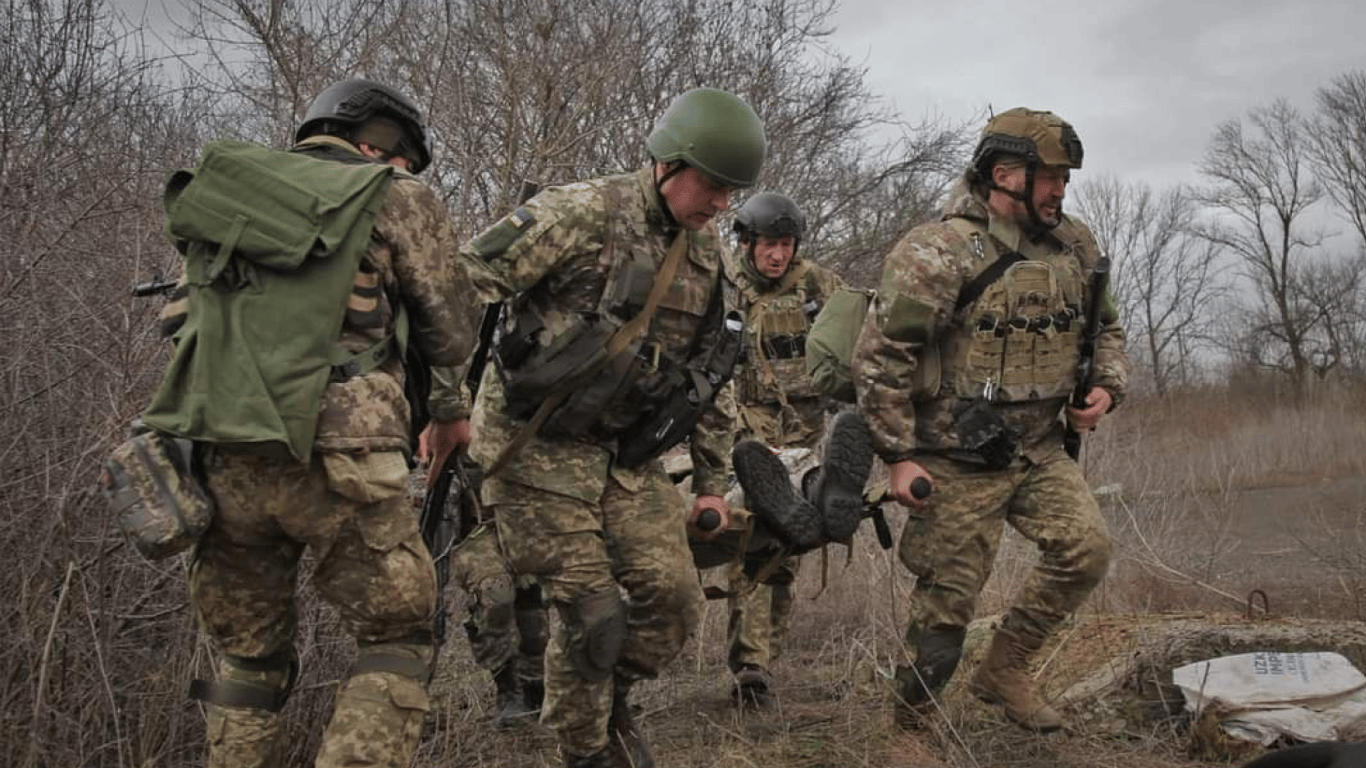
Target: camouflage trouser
633	540
950	546
370	564
502	625
759	617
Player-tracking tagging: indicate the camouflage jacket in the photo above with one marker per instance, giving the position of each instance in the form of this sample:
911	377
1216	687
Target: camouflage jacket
552	250
778	404
909	400
411	259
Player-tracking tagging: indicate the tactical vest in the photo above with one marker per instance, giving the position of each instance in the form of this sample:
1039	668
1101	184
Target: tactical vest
779	323
1019	339
273	243
542	351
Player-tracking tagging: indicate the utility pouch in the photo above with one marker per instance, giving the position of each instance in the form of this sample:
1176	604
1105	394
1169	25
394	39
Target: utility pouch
983	432
666	427
675	419
155	494
563	363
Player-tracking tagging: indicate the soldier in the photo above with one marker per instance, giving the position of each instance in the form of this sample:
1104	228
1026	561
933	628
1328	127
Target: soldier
339	493
962	373
617	341
778	406
505	620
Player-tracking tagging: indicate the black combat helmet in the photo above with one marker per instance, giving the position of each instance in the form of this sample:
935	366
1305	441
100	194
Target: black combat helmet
769	214
346	105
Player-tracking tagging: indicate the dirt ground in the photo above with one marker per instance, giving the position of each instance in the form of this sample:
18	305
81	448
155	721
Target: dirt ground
1298	543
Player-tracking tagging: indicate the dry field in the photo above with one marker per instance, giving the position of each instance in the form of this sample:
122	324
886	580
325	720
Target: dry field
1210	496
1208	500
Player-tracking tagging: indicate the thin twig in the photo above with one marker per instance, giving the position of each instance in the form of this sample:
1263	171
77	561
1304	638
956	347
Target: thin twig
32	757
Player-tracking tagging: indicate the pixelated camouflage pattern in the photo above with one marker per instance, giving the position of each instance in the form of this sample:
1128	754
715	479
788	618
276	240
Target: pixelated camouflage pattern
908	403
778	403
245	738
951	545
480	570
450	397
413	253
553	248
631	538
378	717
759	617
370	565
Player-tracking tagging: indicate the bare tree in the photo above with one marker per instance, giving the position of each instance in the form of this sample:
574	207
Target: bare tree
87	130
547	92
1336	146
1261	187
1164	276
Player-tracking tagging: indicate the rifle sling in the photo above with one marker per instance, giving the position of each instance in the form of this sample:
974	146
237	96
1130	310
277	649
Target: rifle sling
619	341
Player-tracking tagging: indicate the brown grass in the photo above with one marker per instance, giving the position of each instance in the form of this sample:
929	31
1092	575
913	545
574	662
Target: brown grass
1212	495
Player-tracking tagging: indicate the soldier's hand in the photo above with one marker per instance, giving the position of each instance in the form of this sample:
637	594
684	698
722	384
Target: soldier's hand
902	475
719	506
1098	402
438	440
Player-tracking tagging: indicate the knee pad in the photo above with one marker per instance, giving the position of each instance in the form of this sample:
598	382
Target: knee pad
262	683
596	628
937	653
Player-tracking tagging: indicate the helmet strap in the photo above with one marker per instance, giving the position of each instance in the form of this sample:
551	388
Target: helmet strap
675	167
1027	197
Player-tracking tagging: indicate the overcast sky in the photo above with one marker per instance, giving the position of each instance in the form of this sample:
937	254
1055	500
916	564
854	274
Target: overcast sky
1144	82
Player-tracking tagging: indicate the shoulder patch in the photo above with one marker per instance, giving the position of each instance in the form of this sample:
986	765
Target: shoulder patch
495	240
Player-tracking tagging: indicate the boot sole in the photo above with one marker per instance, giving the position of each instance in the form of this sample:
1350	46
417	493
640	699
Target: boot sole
770	495
846	465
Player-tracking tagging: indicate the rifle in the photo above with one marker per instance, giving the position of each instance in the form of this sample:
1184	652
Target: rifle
154	286
445	523
1086	364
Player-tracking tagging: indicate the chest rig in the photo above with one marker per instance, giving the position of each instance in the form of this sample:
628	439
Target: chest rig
778	323
604	369
1019	337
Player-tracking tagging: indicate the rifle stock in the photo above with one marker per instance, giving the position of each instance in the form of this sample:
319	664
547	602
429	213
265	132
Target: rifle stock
1086	363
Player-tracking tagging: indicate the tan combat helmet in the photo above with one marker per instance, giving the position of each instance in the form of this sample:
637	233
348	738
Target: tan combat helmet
1035	136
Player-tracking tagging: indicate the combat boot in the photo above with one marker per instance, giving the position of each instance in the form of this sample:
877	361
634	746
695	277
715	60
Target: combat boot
513	707
751	686
846	463
769	494
1003	678
626	741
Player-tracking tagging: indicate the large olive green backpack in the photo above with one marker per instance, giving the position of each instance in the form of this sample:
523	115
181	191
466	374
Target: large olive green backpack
272	241
830	342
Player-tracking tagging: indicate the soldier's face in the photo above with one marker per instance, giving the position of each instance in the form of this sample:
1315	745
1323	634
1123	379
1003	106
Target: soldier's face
1050	187
772	255
694	198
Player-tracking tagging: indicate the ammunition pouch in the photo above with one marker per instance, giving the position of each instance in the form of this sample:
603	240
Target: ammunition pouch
983	433
155	491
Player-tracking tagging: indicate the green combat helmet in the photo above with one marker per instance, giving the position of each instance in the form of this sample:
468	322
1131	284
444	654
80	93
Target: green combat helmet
1037	137
345	107
713	131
